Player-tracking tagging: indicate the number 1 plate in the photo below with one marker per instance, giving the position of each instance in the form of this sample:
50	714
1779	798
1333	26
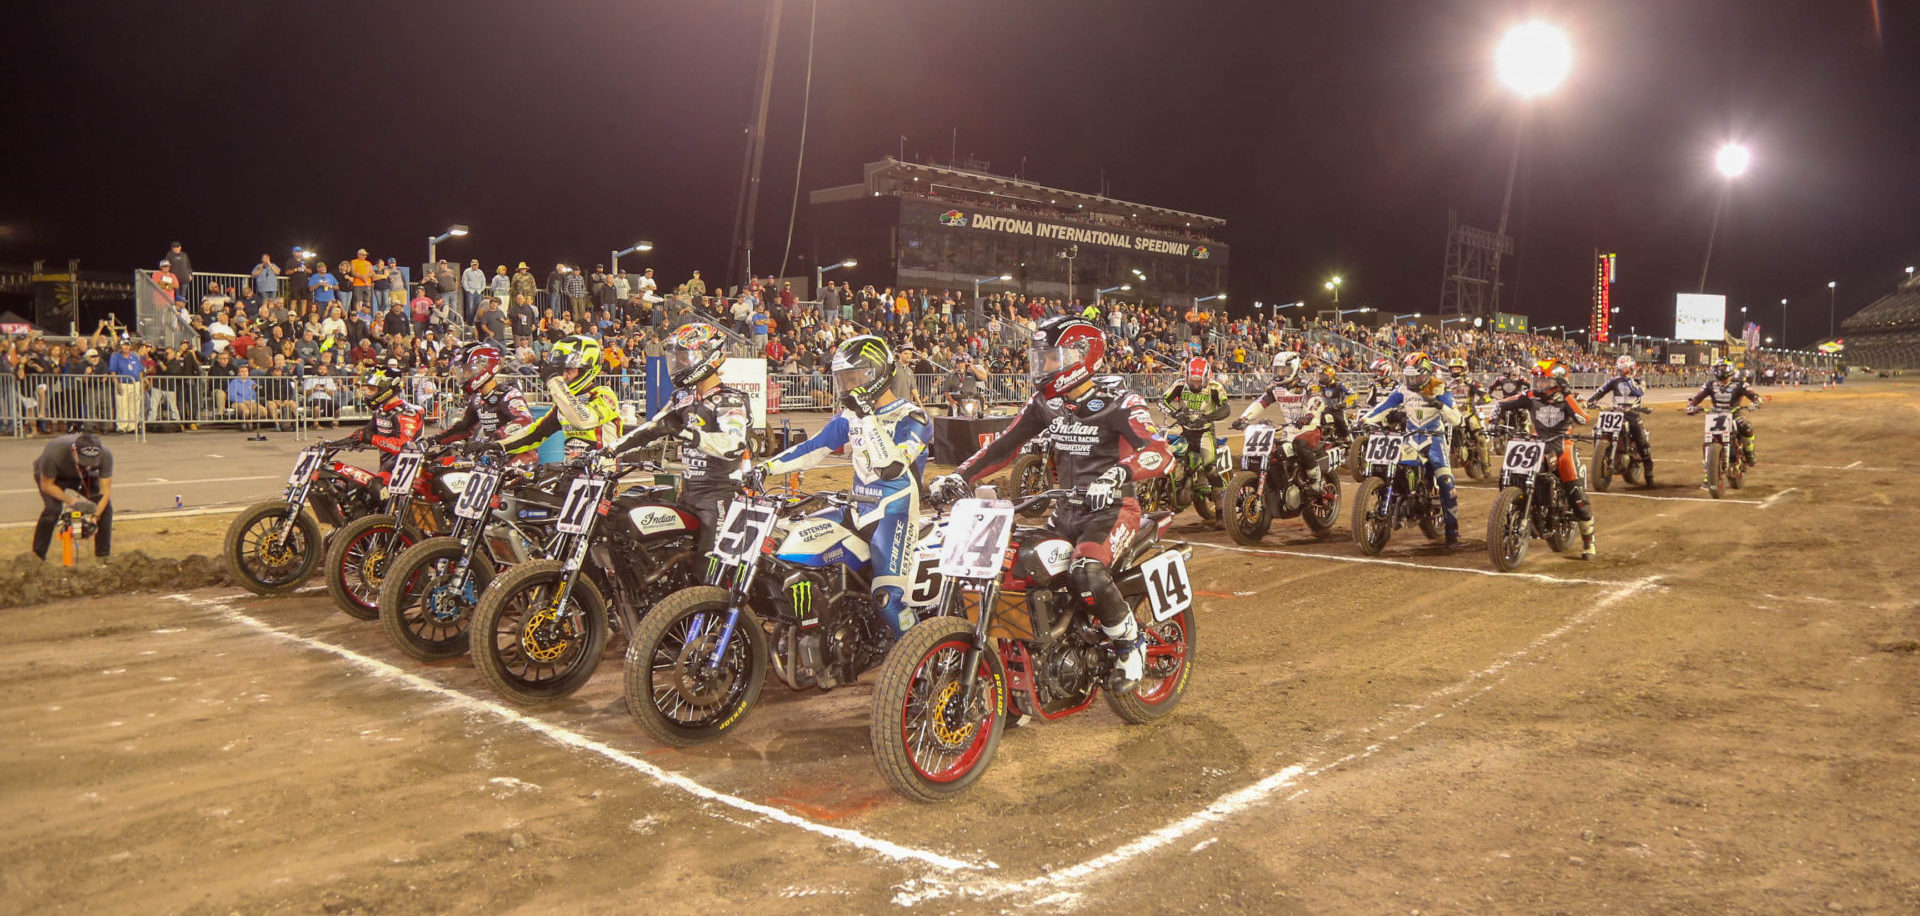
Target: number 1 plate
1719	426
975	542
1168	588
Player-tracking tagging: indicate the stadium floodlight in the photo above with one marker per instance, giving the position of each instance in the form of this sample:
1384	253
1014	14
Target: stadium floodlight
1333	285
453	232
1124	287
1221	296
1533	59
1341	313
640	246
1396	318
1732	160
820	273
1461	318
1833	296
1909	271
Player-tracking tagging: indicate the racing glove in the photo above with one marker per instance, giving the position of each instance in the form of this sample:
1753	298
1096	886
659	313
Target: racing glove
948	488
1240	423
1104	491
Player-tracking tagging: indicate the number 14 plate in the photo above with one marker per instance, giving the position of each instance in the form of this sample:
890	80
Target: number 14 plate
1168	588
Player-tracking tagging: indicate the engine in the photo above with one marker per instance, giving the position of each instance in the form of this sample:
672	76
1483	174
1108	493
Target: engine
1065	670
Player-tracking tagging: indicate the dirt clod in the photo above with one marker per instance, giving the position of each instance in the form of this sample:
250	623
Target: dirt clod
29	580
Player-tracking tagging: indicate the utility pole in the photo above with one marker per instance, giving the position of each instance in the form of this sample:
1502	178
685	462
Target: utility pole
756	147
1068	254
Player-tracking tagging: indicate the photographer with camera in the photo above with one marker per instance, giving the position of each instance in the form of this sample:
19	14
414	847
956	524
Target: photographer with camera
75	472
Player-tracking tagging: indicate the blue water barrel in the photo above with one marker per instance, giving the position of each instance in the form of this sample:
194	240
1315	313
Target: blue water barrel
553	448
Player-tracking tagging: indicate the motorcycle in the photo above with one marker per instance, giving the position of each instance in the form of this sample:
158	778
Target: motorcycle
1530	504
1725	458
359	553
502	517
543	625
1266	488
273	546
1190	481
1399	488
1032	473
1007	629
1468	444
783	586
1614	452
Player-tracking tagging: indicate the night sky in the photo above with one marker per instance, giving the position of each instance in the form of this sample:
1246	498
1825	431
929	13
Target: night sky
1332	136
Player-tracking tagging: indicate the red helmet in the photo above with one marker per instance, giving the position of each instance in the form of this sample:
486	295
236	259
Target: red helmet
1065	352
1199	373
476	365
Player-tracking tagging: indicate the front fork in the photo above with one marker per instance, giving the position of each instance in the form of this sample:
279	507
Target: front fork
742	580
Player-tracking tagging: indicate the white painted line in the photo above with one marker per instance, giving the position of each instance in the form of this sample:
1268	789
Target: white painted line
1853	465
1769	501
1680	499
558	735
1379	561
158	482
136	516
1856	466
1061	887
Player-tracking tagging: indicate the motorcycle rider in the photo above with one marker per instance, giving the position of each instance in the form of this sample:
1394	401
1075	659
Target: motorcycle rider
1382	384
1467	394
1554	410
1726	391
1626	392
1302	412
495	409
1327	385
587	411
964	385
1424	410
394	421
1102	439
710	419
1511	381
1200	399
886	438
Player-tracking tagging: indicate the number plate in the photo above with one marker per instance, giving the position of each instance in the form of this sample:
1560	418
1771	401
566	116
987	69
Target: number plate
1610	423
975	543
1523	456
582	504
924	586
1384	449
1259	441
1223	457
743	531
303	468
1168	588
406	469
1719	427
477	495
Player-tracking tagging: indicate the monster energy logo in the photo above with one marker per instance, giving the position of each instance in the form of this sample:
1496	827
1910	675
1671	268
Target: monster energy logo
802	593
874	350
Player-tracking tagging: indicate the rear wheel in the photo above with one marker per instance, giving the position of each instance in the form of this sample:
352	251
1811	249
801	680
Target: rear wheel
1170	656
681	686
1600	472
1507	529
358	557
1244	509
1027	477
1323	506
260	560
1371	524
932	737
525	647
421	611
1477	462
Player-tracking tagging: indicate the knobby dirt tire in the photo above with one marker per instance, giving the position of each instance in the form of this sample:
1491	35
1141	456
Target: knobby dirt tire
1507	545
394	607
655	629
346	586
305	544
938	635
496	603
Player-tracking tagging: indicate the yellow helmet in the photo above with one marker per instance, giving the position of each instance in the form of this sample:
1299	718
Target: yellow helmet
575	351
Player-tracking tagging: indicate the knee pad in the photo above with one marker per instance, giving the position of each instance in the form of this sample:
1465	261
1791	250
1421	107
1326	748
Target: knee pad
1094	584
1582	507
1449	500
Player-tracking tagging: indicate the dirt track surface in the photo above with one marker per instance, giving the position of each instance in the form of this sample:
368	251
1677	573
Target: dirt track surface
1717	715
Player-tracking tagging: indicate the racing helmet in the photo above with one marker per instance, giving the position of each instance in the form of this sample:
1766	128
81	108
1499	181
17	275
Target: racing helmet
476	365
1457	366
1416	358
1328	376
1066	351
694	353
378	387
863	367
1199	373
1286	367
1382	369
1723	370
1549	375
1624	365
574	351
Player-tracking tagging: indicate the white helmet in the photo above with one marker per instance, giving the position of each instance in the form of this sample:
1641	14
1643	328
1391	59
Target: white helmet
1286	367
1624	364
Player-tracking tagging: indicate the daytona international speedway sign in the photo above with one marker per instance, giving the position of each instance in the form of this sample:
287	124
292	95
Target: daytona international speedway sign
1049	230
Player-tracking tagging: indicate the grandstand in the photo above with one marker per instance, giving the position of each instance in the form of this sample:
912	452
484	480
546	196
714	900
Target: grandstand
1886	334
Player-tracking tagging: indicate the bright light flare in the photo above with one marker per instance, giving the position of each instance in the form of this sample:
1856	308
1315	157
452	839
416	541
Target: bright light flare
1733	160
1533	59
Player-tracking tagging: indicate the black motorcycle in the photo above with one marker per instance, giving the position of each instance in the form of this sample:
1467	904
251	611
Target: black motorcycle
273	546
1615	452
1399	488
1531	503
1273	482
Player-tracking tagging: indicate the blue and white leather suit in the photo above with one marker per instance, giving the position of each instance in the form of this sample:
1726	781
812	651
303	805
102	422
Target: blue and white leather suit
1428	418
888	450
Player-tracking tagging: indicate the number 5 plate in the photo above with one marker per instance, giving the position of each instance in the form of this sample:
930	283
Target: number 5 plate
1168	588
975	542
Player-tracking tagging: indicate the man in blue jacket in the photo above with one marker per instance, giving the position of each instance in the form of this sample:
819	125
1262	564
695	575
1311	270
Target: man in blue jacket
127	368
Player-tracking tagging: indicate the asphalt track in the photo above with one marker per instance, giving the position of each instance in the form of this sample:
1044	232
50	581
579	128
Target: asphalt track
1717	714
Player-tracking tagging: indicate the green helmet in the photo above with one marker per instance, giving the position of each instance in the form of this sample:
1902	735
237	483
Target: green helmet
575	351
863	366
1723	370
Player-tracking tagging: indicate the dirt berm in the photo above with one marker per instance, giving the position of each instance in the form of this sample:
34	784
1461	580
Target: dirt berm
31	580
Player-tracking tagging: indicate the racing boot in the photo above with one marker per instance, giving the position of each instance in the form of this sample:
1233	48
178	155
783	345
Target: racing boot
1453	532
1130	655
1646	479
1586	540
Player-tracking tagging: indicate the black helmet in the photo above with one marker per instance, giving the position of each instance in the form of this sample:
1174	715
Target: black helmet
863	367
377	386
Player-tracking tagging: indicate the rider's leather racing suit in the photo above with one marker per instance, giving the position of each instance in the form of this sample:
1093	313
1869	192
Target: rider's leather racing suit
713	434
1208	404
589	421
389	429
888	450
1505	386
1626	392
1553	415
1303	414
494	414
1428	413
1726	395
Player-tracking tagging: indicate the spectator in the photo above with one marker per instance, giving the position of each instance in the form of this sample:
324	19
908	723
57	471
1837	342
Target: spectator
447	283
299	278
473	284
422	311
522	319
182	268
127	369
491	322
501	287
524	285
325	287
696	287
322	392
266	277
395	322
360	272
335	324
575	287
243	396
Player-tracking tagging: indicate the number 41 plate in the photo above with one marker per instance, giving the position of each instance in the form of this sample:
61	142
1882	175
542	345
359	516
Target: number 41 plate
1168	588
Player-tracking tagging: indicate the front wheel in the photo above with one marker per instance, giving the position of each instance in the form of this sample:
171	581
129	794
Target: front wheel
1716	470
1600	472
525	647
1508	531
1027	477
1356	465
260	560
1170	656
1244	508
421	609
1372	525
358	557
933	737
682	686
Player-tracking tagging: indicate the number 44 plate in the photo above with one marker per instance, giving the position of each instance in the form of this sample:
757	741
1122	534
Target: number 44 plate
1169	590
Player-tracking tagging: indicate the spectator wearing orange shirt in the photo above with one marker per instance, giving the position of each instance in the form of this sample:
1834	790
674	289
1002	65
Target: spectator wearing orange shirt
360	273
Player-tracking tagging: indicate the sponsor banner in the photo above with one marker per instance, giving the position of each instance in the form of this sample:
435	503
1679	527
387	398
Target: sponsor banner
1034	226
750	376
